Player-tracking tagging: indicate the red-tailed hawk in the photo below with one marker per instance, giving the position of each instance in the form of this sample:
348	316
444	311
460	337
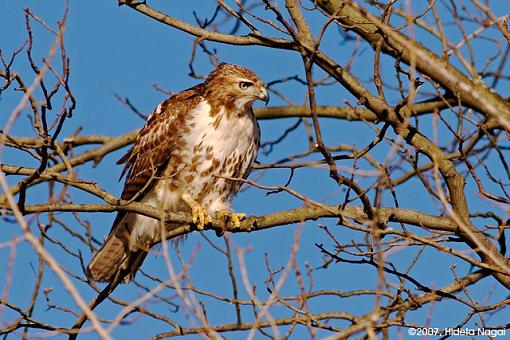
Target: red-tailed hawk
189	140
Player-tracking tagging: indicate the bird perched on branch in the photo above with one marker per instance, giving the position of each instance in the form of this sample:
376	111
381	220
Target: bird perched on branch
181	161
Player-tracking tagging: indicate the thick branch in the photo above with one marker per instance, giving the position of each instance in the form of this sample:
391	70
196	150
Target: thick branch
254	223
339	112
473	93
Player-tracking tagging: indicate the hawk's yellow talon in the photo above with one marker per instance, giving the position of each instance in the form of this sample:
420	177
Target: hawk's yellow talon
230	218
199	214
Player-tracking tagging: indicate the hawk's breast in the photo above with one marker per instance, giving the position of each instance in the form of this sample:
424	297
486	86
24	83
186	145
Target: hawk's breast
216	147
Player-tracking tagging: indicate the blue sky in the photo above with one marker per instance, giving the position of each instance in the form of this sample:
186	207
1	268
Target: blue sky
117	50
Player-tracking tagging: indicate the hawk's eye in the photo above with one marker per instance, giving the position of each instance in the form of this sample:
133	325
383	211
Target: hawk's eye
245	84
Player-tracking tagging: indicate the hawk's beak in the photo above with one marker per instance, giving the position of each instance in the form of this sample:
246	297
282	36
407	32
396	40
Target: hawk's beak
263	95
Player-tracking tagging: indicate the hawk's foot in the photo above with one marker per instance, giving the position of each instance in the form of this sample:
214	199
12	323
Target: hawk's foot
199	214
229	218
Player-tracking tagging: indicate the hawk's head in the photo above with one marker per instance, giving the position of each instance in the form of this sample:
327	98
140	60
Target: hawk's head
235	86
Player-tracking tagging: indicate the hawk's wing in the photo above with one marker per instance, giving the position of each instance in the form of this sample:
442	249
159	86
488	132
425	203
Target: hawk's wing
150	153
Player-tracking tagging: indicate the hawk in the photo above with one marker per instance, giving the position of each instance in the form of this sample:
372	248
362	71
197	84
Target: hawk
181	161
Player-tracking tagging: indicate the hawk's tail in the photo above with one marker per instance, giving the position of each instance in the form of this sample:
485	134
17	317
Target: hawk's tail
114	261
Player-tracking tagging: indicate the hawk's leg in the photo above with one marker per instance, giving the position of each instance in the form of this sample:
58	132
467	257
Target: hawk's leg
227	218
199	214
